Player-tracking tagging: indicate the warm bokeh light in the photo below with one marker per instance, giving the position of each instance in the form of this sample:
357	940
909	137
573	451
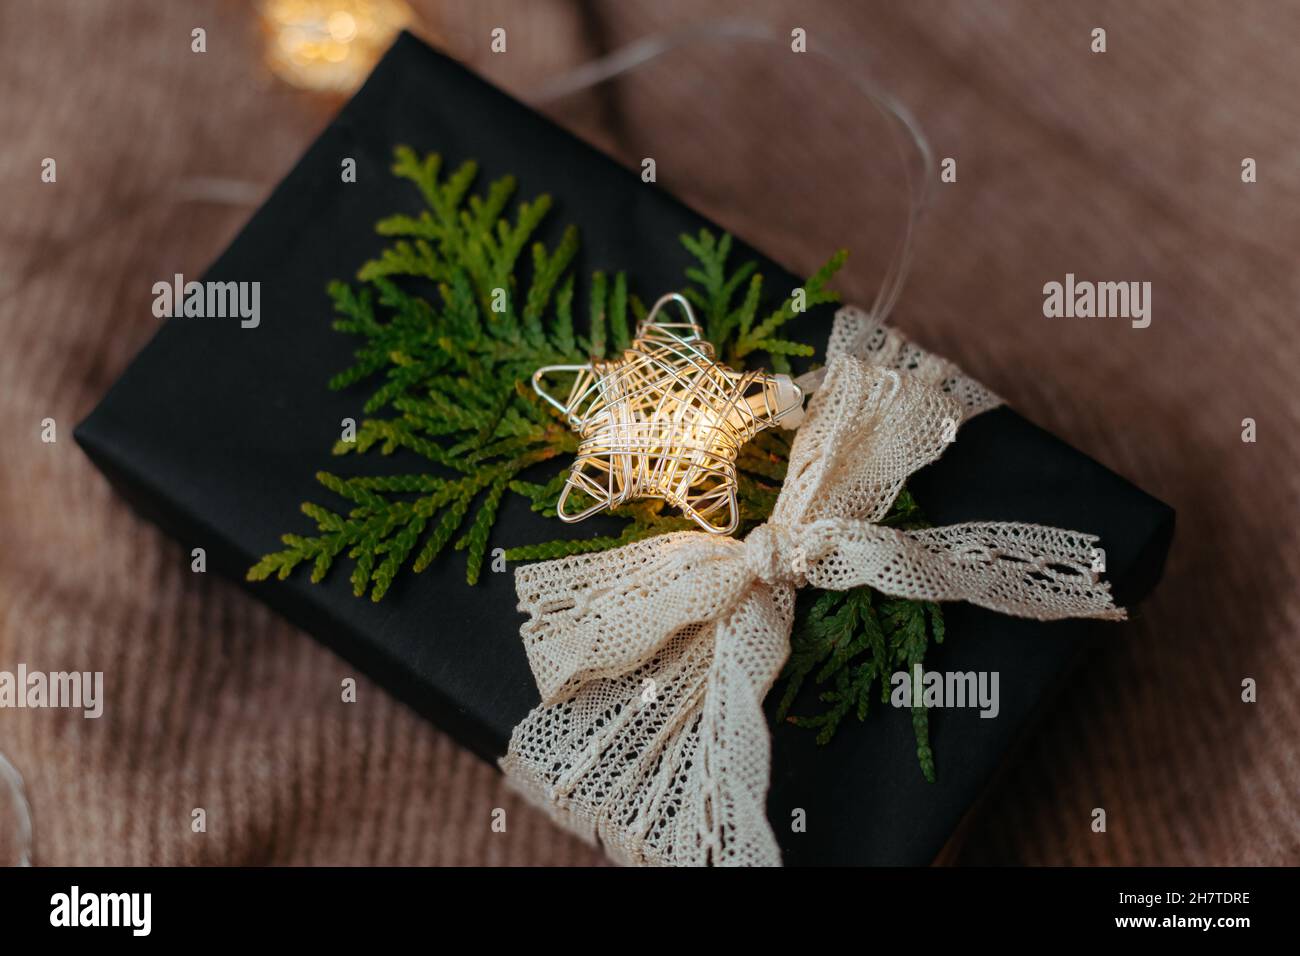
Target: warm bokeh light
329	44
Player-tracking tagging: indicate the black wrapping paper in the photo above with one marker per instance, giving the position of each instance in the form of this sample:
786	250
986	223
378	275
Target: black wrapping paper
215	432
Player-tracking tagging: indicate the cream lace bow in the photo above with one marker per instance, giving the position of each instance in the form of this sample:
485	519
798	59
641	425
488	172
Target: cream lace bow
653	659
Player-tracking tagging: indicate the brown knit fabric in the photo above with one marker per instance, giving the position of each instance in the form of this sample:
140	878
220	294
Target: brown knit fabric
1124	165
212	701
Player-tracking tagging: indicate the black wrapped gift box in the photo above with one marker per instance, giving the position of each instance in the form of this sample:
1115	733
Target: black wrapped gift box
216	431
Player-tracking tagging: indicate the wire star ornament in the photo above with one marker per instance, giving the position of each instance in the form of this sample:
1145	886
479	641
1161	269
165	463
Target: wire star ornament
666	420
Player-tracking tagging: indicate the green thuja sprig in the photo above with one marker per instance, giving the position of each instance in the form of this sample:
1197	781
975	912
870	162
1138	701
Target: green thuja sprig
852	642
451	319
731	322
445	374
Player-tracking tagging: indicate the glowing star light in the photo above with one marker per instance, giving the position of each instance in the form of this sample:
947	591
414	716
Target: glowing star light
667	420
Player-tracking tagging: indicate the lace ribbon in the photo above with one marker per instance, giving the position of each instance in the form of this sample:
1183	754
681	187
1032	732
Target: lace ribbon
653	659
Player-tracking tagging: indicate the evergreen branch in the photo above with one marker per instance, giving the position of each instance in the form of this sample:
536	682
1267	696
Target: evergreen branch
547	273
598	314
815	292
451	520
476	539
855	641
617	317
562	335
785	347
407	164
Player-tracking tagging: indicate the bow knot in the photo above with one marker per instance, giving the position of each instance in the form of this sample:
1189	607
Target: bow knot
772	554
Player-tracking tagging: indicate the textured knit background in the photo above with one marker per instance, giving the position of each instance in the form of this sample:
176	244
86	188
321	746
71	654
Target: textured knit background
1117	166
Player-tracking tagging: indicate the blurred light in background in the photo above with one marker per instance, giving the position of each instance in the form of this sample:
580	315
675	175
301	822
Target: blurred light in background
329	45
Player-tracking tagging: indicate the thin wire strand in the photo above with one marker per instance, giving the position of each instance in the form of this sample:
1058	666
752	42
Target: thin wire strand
919	181
10	775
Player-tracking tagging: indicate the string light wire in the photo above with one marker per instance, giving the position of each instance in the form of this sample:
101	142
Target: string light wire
909	140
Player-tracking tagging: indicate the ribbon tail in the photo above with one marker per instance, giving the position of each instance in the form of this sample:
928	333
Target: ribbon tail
736	748
669	763
1025	570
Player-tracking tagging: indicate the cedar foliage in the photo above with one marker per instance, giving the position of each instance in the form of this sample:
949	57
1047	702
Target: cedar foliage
855	641
447	378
